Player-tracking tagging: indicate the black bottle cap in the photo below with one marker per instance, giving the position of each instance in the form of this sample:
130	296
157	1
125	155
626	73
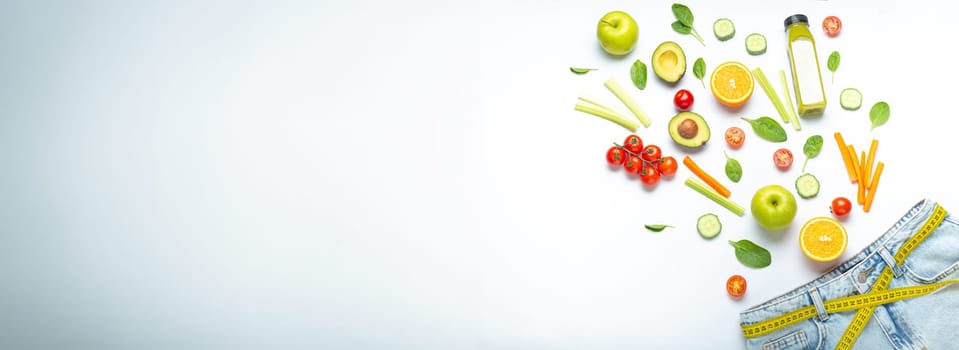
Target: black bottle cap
796	19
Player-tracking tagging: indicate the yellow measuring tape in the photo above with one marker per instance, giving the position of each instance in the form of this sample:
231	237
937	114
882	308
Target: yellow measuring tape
866	303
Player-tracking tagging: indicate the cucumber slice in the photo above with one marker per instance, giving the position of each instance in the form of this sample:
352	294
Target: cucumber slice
755	44
807	186
850	99
708	225
724	29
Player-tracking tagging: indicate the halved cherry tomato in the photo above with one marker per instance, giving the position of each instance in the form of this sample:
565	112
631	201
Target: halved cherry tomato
831	25
735	137
668	166
736	286
841	206
615	156
633	144
633	164
652	153
649	176
683	100
783	158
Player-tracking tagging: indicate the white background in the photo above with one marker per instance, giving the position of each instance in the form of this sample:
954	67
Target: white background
369	175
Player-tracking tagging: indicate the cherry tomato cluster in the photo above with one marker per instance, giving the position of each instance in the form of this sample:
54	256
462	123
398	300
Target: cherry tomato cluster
646	162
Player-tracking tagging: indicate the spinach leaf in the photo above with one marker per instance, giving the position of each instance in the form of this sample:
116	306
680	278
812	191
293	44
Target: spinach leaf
833	64
751	254
699	70
811	149
879	114
638	74
767	128
581	70
734	171
684	22
656	228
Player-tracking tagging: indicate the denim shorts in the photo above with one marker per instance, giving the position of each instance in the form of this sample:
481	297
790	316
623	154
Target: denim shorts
929	321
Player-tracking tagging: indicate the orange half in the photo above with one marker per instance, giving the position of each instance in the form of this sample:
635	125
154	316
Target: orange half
731	83
823	239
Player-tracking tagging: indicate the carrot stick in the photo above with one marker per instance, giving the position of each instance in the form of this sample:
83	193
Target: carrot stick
846	159
861	196
873	185
709	180
854	163
870	158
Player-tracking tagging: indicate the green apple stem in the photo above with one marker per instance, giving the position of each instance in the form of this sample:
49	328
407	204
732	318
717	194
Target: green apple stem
606	113
630	103
725	202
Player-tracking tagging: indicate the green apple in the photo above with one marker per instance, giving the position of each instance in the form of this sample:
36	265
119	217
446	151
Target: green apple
617	32
773	207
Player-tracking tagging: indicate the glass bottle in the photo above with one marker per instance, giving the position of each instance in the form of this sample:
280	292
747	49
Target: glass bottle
804	63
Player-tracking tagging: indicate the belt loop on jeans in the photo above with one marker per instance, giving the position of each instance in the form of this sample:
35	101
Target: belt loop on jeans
817	300
890	261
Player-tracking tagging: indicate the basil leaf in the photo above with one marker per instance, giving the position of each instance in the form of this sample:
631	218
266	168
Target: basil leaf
879	114
638	74
581	70
751	254
767	128
683	14
681	28
833	63
811	149
656	228
699	70
734	171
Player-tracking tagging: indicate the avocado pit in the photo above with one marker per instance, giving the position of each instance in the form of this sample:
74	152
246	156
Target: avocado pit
688	128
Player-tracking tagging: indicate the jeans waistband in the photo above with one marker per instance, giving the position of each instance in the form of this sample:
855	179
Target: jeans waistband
854	276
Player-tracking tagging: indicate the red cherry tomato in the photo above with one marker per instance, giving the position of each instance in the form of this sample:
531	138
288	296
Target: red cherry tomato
633	144
683	100
668	166
615	156
783	158
652	153
735	137
633	164
831	25
736	286
841	206
649	176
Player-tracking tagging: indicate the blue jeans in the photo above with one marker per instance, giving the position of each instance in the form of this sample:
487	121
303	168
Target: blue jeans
930	321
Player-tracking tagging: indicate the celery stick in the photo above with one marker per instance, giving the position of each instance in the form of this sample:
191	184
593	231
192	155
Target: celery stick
595	102
709	193
790	108
606	113
771	93
630	103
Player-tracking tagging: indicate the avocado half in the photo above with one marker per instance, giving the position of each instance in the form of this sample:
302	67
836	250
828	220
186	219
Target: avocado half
669	62
689	129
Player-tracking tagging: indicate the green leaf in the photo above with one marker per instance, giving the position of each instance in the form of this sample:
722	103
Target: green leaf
681	28
879	114
734	171
638	74
683	14
833	63
811	149
767	128
656	228
581	70
751	254
699	70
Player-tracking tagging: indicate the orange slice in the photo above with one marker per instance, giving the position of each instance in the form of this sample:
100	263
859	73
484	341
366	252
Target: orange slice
823	239
732	84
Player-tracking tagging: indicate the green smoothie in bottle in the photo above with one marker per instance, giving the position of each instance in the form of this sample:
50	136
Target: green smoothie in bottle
804	63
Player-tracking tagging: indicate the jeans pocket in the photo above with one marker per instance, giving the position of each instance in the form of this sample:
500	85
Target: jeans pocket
937	256
806	335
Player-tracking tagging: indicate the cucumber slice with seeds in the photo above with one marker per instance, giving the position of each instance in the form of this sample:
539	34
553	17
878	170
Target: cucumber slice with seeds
708	225
807	186
755	44
850	99
724	29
